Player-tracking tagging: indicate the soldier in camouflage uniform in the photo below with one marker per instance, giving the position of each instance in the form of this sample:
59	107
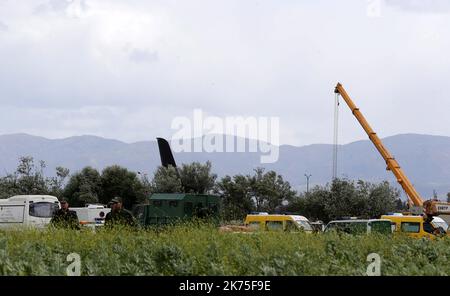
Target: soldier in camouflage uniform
64	217
119	215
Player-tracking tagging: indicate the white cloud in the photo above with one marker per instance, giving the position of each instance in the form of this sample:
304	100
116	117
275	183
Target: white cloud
3	27
421	6
123	69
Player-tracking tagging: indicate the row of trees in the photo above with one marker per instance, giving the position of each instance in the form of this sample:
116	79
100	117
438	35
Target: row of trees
29	179
262	191
86	186
345	198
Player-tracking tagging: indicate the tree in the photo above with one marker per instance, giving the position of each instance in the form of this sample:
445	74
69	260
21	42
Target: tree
311	205
346	198
259	192
27	179
146	188
382	198
448	197
84	187
269	190
57	183
166	180
236	197
8	186
118	181
401	205
191	178
197	177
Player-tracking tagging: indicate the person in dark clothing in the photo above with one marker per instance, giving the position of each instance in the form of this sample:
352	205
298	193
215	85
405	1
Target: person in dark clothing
64	217
119	215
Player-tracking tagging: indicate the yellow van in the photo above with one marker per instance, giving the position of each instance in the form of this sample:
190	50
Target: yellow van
266	222
415	226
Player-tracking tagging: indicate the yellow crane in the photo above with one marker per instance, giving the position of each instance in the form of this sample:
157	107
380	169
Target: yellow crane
430	207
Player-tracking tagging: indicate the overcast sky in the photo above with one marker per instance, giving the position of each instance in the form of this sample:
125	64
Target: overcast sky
124	69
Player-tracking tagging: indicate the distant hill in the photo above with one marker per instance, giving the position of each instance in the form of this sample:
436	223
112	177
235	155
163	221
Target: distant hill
425	158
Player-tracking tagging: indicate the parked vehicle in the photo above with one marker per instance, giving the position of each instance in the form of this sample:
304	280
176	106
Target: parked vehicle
27	210
317	226
360	226
266	222
167	208
416	226
92	215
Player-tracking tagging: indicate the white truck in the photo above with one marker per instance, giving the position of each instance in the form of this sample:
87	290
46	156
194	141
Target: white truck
27	210
92	215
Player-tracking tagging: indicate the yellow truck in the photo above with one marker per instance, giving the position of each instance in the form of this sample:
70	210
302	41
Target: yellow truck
417	226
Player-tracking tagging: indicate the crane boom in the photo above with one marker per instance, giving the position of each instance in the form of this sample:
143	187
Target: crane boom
391	163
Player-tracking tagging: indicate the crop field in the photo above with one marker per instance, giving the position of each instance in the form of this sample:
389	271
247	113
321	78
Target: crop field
202	250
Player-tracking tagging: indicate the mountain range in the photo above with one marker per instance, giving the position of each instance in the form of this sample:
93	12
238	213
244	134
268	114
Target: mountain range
425	159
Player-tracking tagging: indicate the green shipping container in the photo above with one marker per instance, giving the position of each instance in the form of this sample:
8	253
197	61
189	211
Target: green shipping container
166	208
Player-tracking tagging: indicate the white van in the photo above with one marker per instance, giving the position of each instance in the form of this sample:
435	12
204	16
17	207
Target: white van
92	215
361	226
27	210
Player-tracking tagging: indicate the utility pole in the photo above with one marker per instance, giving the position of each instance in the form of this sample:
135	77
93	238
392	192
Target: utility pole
307	182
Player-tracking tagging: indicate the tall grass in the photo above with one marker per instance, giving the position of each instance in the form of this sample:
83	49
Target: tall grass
194	249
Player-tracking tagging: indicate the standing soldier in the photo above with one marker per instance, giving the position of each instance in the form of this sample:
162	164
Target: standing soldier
119	215
65	217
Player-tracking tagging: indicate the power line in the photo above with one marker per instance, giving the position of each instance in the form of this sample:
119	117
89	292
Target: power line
335	136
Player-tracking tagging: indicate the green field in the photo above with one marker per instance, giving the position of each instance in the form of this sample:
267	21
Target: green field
203	250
